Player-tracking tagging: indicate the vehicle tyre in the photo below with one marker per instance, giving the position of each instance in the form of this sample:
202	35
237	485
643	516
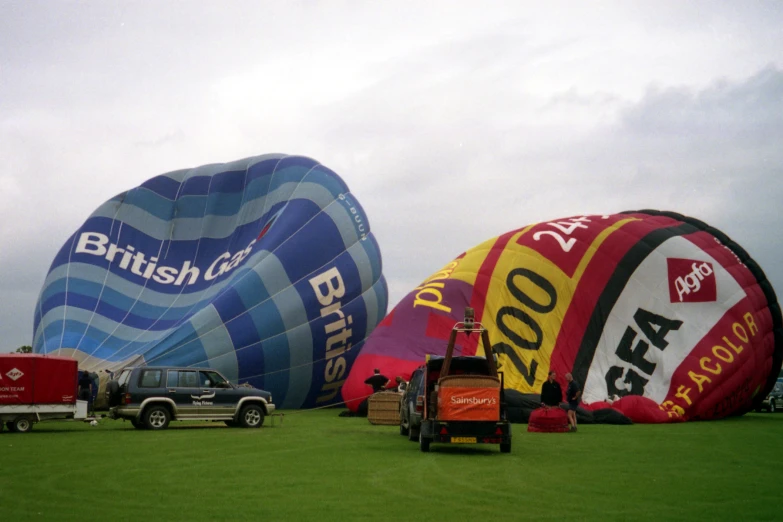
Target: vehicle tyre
251	416
9	425
231	424
772	406
22	425
403	430
424	444
505	447
113	396
157	418
413	435
139	425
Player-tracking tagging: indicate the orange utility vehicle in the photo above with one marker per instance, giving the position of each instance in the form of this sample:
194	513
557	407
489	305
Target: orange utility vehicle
463	400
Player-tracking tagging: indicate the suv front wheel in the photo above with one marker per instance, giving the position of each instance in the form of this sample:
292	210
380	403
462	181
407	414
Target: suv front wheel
157	417
251	416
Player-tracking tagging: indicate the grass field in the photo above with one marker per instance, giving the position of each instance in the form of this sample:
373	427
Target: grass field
318	466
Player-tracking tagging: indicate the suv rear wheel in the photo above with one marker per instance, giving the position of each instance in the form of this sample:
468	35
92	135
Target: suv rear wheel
251	416
157	417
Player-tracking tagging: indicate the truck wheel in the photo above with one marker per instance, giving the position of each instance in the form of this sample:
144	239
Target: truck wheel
505	447
9	425
157	418
413	435
403	430
137	424
424	444
22	425
251	416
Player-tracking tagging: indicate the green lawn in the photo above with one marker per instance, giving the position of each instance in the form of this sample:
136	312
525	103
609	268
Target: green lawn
318	466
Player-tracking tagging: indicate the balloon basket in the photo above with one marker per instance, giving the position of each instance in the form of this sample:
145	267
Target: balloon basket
384	408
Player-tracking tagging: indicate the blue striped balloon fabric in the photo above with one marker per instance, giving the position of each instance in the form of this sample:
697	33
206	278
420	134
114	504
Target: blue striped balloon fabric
264	269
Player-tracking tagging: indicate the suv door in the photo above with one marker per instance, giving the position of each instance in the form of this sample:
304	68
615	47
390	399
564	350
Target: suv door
184	390
219	396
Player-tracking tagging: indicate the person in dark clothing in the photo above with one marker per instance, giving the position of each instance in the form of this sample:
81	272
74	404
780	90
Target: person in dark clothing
377	381
573	393
85	389
551	392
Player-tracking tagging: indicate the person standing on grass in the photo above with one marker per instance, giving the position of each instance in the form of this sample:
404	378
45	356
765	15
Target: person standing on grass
85	389
377	381
573	392
551	392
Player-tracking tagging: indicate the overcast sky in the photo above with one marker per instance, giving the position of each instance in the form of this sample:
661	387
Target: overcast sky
451	122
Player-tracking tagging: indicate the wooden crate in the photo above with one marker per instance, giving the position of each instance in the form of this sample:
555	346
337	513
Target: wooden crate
384	408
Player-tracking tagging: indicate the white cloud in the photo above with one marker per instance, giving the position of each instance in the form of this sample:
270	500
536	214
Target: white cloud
451	122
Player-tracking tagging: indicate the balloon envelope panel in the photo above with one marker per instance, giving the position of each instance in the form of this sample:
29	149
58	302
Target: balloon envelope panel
656	313
264	268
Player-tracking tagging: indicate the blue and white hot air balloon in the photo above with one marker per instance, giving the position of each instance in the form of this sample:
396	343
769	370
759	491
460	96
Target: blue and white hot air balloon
264	268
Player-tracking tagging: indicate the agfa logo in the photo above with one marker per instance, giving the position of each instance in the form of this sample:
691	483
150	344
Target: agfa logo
691	281
14	374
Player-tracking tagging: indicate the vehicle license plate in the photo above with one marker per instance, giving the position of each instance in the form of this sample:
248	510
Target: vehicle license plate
463	440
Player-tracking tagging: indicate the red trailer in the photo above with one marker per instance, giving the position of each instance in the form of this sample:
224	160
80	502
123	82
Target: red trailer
37	387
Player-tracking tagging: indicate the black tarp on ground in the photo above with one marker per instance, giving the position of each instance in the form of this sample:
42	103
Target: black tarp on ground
520	405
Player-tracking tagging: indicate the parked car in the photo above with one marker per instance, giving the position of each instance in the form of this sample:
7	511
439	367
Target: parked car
773	400
412	405
151	397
